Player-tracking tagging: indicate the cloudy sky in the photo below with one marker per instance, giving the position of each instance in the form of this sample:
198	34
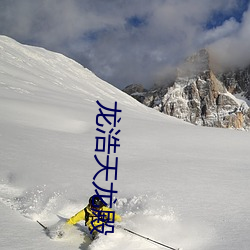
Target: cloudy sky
131	41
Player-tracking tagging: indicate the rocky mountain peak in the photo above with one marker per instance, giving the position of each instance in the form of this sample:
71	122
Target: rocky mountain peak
197	64
200	96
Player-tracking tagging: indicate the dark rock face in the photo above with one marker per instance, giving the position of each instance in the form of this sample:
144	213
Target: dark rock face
137	91
201	97
237	81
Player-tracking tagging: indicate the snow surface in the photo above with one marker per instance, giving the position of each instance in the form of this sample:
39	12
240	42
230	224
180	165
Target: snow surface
182	185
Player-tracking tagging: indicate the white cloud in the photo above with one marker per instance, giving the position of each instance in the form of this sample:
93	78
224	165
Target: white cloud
233	50
228	28
97	32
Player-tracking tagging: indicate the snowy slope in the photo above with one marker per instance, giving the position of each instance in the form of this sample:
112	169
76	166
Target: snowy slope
182	185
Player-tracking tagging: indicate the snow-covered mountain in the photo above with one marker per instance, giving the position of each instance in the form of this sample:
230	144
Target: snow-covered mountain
182	185
237	81
201	96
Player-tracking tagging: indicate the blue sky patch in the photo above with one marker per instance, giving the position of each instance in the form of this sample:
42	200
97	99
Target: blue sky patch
136	21
219	17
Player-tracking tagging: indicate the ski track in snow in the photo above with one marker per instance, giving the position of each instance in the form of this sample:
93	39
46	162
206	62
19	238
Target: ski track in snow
143	214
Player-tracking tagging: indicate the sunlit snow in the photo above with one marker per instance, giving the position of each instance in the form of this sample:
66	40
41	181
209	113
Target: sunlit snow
182	185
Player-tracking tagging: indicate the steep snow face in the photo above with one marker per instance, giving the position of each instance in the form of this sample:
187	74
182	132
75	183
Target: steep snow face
37	74
179	184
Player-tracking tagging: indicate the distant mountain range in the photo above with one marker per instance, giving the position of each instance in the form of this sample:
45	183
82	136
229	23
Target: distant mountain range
201	94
